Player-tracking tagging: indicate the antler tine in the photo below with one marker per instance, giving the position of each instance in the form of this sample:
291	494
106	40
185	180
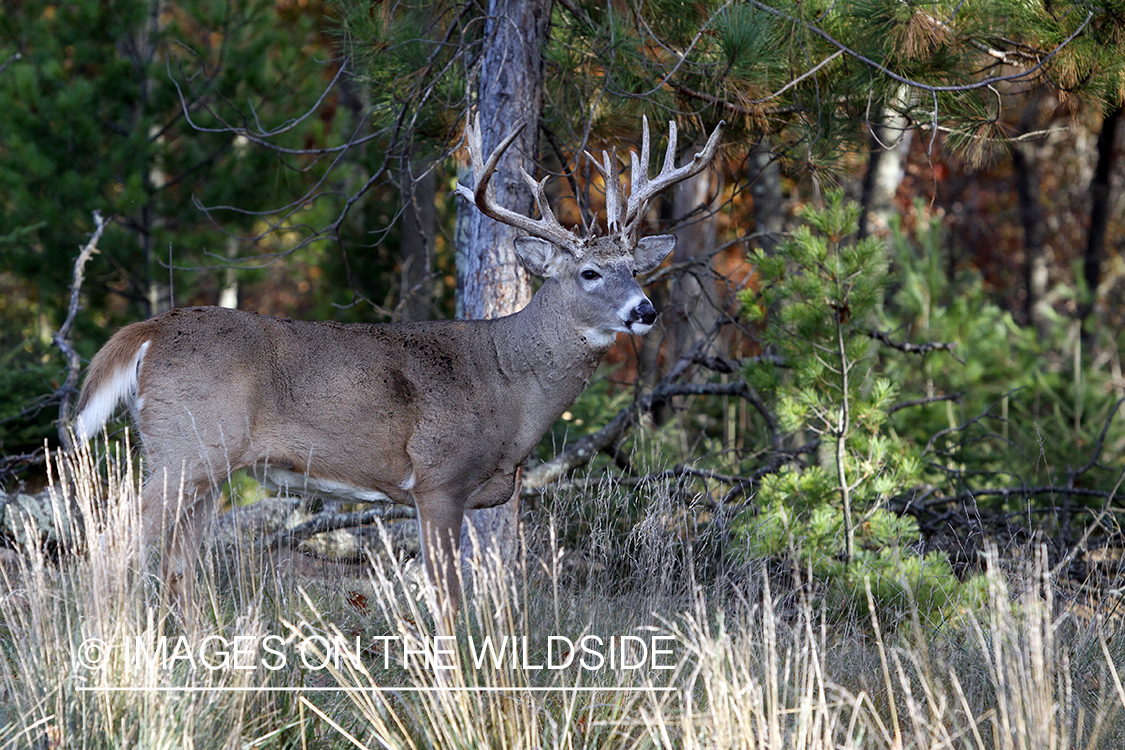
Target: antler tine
537	190
670	154
484	196
638	169
644	190
613	198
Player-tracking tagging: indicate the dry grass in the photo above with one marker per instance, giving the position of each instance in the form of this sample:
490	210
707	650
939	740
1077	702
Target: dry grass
744	670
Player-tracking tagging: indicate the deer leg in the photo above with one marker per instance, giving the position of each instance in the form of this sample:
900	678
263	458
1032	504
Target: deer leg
179	518
439	525
181	552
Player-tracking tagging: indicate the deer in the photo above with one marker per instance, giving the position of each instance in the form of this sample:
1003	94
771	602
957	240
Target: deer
438	415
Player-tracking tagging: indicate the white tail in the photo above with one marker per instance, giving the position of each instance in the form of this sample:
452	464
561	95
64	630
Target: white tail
439	415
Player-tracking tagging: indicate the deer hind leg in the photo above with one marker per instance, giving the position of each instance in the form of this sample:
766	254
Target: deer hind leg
181	552
179	518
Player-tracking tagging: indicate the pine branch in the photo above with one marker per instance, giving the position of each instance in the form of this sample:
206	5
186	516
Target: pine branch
984	83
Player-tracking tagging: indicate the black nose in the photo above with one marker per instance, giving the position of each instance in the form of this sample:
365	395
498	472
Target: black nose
645	313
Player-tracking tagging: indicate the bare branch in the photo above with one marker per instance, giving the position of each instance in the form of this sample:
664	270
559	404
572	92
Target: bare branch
1098	446
62	336
903	346
332	521
9	60
924	401
776	460
584	450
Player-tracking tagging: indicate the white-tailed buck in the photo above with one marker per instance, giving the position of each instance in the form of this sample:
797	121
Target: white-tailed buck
439	415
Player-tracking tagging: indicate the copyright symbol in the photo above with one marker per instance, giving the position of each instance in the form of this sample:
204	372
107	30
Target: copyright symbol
93	653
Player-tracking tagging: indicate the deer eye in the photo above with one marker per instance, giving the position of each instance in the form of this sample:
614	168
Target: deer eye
591	275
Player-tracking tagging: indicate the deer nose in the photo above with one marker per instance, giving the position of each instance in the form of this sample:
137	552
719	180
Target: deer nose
644	312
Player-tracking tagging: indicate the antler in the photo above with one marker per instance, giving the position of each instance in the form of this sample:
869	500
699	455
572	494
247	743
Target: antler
484	196
626	219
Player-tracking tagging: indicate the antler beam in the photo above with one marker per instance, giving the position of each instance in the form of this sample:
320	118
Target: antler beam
484	196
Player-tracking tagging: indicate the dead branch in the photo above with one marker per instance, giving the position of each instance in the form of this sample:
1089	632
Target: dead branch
62	336
1006	493
924	401
330	522
904	346
776	460
583	451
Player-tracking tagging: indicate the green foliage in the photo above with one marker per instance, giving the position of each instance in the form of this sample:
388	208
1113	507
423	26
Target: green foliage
821	73
91	118
821	296
1006	409
1029	408
25	422
824	294
409	60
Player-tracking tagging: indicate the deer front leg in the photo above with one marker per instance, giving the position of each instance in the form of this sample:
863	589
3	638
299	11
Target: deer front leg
439	523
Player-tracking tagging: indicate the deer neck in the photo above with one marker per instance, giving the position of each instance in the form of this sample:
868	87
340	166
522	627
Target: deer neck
543	351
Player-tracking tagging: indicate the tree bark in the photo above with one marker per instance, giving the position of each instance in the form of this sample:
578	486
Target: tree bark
1099	219
491	282
694	306
764	177
1031	220
419	225
890	140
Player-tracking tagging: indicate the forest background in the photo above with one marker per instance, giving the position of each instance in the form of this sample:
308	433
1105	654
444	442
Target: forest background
890	331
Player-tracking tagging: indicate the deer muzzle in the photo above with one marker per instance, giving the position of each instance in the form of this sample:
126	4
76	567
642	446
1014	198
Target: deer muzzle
641	317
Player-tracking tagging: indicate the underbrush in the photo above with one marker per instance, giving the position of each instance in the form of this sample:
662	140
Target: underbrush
614	637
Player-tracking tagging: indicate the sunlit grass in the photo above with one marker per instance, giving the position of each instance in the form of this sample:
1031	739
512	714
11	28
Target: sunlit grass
299	659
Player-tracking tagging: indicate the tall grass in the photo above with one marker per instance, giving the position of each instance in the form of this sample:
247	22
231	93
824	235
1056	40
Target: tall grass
742	664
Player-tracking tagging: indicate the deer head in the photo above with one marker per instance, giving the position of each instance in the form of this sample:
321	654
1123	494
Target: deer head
604	265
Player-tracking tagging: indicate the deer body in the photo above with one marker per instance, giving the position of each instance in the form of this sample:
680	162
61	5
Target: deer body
440	415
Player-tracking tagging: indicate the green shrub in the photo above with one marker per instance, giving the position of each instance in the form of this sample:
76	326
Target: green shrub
820	299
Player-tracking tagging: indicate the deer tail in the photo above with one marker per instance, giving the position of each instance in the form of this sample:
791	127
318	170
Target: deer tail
113	377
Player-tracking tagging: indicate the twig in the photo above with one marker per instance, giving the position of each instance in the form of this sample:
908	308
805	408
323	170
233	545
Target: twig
1018	76
8	463
9	60
62	336
772	466
1101	439
904	346
1006	492
924	401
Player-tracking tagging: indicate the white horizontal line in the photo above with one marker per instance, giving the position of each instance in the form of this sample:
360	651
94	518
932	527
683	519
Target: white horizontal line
374	689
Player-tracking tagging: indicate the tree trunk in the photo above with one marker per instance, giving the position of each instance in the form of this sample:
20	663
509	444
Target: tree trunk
158	291
419	225
890	141
1031	220
695	305
1099	218
764	177
490	280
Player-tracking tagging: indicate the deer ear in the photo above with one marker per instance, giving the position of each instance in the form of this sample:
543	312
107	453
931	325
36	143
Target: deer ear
651	251
539	256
